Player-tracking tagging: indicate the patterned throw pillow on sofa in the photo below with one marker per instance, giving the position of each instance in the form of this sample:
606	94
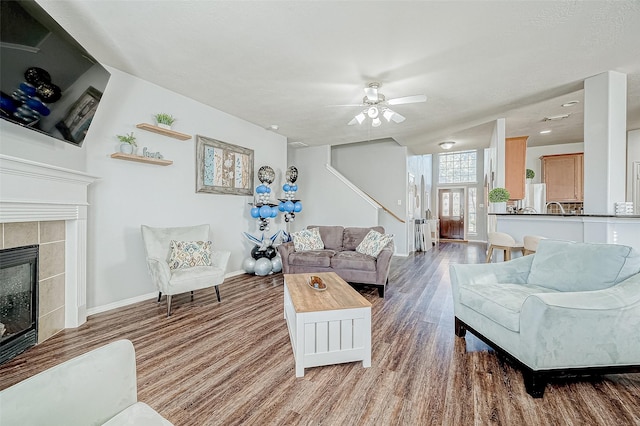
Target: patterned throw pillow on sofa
307	239
373	243
187	254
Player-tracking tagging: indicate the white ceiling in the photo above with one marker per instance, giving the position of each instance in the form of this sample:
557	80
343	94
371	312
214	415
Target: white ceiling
287	62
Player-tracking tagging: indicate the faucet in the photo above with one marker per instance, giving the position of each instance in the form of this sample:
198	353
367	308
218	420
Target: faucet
556	203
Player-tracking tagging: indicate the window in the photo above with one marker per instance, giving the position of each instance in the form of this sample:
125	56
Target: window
457	167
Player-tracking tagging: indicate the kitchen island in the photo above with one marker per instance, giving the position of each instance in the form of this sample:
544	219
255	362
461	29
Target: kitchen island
590	228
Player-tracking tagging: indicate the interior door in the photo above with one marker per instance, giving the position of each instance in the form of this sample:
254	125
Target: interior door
451	212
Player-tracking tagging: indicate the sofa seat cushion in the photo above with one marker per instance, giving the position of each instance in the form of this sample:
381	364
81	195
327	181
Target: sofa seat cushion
500	303
139	414
353	260
312	258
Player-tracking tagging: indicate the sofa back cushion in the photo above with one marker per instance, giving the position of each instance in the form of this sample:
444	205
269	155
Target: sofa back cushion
571	266
331	236
354	236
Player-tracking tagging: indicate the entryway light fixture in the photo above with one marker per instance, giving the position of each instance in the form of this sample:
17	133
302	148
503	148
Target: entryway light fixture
447	144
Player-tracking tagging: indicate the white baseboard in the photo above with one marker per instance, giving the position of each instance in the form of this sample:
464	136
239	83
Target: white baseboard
141	298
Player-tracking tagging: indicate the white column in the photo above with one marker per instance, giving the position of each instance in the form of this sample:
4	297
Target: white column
605	118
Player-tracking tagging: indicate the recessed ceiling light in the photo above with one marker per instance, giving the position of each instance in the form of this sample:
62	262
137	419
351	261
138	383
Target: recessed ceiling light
273	127
544	132
570	103
556	117
447	144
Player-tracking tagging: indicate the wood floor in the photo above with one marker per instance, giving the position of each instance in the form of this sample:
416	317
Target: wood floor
231	363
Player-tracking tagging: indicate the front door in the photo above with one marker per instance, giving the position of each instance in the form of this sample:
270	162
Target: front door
451	213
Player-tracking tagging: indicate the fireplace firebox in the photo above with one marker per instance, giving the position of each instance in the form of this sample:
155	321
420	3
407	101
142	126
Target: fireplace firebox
18	300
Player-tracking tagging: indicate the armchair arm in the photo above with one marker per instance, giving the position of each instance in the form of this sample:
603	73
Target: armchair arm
515	271
383	263
285	249
160	273
595	327
219	259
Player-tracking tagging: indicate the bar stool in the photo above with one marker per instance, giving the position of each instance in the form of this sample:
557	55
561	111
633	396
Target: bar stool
531	243
502	241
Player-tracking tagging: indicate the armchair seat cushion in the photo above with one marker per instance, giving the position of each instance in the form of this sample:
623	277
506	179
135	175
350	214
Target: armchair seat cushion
353	260
501	303
312	258
195	278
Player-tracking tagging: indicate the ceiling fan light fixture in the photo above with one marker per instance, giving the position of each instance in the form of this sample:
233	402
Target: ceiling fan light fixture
387	114
372	112
360	118
447	144
376	122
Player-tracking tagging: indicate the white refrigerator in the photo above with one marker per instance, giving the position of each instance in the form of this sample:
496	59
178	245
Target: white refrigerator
535	196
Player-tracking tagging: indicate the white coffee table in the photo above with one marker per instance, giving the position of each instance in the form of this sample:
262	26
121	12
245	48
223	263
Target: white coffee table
326	327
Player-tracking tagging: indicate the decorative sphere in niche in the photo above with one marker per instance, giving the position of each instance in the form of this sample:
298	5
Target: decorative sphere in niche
292	174
249	265
263	266
266	175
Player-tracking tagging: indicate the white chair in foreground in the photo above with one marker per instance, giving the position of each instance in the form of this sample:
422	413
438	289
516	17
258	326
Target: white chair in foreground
181	260
95	388
502	241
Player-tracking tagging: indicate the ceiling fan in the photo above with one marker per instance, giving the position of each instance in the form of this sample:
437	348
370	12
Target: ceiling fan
376	105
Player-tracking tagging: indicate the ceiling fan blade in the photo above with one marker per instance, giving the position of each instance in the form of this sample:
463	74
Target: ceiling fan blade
371	93
346	105
407	100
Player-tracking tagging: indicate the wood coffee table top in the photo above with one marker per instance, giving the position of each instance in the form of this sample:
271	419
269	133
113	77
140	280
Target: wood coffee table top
338	295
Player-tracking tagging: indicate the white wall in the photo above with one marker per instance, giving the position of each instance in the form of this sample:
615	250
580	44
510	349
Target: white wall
534	153
378	168
326	200
633	155
129	194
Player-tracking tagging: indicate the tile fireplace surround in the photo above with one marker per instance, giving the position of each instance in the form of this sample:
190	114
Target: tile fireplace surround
46	204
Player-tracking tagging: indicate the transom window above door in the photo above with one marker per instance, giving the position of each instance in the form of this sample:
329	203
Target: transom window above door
457	167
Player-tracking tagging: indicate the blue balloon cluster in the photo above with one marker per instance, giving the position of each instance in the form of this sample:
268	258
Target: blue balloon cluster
263	210
289	206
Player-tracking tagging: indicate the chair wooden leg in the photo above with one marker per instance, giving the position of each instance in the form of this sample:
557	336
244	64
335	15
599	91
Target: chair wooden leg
218	293
159	296
168	305
192	296
507	254
489	254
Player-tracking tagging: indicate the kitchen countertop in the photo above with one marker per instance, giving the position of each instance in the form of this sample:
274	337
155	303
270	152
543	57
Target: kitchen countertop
529	215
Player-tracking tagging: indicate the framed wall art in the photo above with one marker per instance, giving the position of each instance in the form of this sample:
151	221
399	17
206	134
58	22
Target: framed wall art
223	168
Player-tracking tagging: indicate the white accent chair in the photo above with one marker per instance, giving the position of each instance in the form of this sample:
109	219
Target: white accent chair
502	241
157	244
96	388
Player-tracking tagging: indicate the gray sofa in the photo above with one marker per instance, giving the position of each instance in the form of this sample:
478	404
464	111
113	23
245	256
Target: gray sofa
340	256
571	309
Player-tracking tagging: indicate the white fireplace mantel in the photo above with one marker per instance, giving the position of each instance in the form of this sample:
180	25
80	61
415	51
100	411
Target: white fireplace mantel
31	191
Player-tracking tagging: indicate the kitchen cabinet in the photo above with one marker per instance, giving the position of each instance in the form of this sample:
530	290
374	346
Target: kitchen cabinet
515	154
563	174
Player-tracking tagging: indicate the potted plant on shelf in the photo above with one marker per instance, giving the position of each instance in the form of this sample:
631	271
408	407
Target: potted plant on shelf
127	142
498	198
164	120
530	174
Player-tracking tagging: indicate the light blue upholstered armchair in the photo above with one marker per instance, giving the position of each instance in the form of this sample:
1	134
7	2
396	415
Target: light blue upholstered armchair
175	278
571	309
